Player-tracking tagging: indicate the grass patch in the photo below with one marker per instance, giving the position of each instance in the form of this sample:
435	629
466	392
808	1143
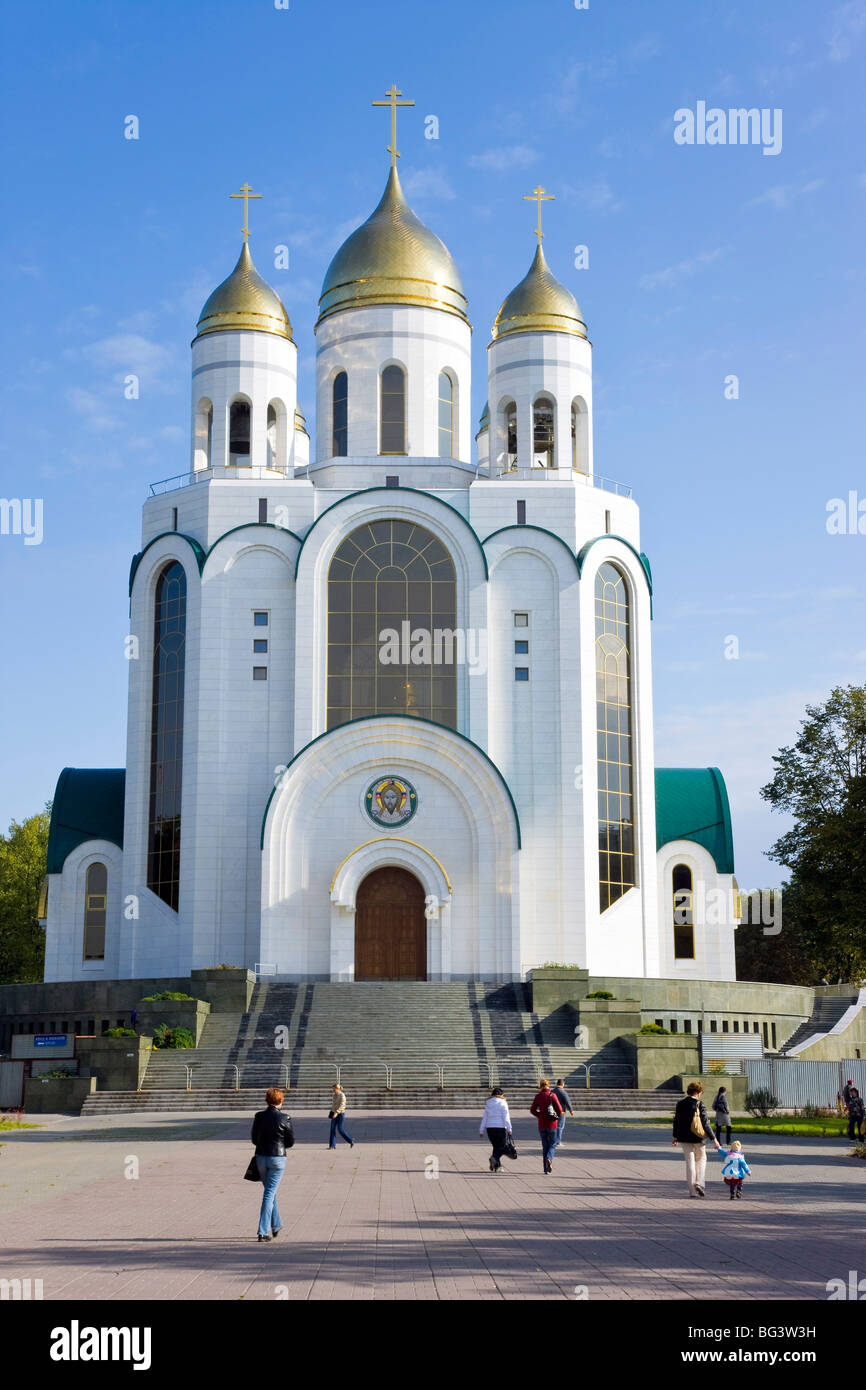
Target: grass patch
797	1125
16	1124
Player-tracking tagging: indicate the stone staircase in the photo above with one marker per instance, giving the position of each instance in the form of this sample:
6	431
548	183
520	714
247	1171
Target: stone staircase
393	1045
826	1013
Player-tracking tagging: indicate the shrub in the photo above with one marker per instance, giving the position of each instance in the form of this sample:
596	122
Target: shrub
601	994
716	1067
57	1074
654	1028
227	967
557	965
167	994
761	1102
163	1036
818	1112
120	1033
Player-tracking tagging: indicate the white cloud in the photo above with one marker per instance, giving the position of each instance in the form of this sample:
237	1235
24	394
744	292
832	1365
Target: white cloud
682	270
849	24
782	195
502	157
92	408
428	183
597	196
131	353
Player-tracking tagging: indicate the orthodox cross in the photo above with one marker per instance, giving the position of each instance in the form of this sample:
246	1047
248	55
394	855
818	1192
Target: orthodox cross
246	193
538	196
392	94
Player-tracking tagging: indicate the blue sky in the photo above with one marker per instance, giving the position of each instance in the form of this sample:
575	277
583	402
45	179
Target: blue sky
704	261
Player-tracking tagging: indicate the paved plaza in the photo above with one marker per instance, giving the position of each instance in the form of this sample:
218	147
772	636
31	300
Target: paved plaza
613	1221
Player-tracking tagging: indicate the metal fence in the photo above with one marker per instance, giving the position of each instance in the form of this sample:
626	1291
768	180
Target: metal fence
796	1083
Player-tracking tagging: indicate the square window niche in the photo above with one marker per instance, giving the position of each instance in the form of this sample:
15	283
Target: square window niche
260	619
521	673
260	673
521	620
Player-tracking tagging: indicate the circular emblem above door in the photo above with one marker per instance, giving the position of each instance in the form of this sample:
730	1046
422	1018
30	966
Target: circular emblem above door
390	801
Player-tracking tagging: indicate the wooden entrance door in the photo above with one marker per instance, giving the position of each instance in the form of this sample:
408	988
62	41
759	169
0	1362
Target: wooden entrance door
390	927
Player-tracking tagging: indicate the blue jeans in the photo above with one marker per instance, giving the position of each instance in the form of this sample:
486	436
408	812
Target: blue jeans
337	1124
548	1142
271	1172
560	1126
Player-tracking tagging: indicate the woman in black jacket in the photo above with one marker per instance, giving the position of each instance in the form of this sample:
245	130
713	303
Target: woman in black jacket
691	1128
272	1134
722	1115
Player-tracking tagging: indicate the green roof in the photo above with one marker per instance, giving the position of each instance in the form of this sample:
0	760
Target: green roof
692	804
88	805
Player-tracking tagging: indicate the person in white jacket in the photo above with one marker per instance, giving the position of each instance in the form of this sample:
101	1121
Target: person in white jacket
496	1123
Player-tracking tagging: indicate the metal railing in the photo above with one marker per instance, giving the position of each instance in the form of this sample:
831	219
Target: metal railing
199	475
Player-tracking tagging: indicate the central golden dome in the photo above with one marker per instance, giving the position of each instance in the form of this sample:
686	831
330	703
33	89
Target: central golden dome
244	300
392	258
539	304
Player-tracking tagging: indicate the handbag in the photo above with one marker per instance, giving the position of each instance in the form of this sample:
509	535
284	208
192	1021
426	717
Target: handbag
510	1150
330	1114
252	1173
696	1127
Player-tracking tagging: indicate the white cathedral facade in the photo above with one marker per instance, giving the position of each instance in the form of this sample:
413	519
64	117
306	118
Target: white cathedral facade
390	707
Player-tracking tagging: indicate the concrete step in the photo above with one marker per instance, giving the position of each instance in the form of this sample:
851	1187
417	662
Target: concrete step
251	1099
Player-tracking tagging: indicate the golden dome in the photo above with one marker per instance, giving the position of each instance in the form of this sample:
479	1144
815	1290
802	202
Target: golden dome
539	304
244	300
392	258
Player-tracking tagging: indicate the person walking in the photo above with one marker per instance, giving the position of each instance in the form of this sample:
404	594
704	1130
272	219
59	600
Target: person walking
735	1169
562	1096
272	1135
691	1128
547	1110
722	1114
856	1113
496	1123
336	1115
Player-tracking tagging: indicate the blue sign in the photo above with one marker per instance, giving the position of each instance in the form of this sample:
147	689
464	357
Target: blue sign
49	1040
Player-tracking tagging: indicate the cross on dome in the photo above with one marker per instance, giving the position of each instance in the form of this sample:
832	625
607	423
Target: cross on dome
392	94
246	193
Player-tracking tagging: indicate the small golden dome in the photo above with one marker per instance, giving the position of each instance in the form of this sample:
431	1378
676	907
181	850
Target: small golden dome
244	300
539	304
392	258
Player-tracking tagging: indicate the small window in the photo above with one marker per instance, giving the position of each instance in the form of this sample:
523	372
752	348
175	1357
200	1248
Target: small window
121	1023
260	673
91	1026
659	1022
736	1025
263	511
260	619
392	480
700	1025
174	518
607	523
260	644
77	1027
766	1035
521	648
674	1025
756	1027
521	673
521	620
725	1028
521	513
106	1024
773	1026
687	1025
64	1027
714	1027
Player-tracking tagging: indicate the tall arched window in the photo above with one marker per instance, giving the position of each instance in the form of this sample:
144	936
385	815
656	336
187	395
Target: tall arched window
239	434
446	416
272	436
392	426
203	435
509	429
95	906
579	436
542	433
392	619
616	849
166	736
684	913
340	441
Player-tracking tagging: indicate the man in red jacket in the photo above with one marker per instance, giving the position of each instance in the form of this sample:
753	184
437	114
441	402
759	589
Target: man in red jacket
547	1110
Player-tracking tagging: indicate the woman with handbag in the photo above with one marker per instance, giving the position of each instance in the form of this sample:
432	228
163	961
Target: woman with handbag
335	1115
691	1128
496	1123
272	1135
547	1110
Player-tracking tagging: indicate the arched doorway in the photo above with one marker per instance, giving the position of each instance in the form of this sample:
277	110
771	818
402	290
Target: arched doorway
390	927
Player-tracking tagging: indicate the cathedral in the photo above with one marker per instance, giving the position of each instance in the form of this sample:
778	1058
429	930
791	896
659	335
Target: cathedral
390	691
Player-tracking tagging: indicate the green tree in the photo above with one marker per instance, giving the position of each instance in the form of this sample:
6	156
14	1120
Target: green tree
22	868
821	782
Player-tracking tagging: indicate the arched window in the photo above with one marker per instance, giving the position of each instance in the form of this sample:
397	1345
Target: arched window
684	913
392	426
579	436
272	436
509	421
542	433
340	441
446	416
616	849
203	435
239	434
392	619
166	736
95	905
